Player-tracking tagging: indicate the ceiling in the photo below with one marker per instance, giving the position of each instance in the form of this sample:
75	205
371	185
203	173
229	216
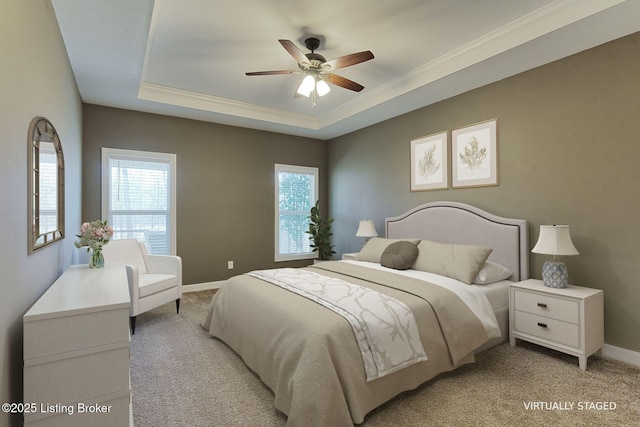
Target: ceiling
188	58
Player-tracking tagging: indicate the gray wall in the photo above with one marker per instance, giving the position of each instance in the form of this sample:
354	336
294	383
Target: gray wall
568	154
35	80
225	187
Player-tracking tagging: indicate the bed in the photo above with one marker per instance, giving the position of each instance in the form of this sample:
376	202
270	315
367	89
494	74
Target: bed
308	355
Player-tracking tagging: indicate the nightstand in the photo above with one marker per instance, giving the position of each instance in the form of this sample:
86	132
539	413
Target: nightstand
570	320
351	256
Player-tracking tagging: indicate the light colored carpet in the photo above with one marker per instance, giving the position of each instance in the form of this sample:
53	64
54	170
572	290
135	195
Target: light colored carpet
182	377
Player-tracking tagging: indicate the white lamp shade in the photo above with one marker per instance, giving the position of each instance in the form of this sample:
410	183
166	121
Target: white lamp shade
322	87
366	228
555	240
307	86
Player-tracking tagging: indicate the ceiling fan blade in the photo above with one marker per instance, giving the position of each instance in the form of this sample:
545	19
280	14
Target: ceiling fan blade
294	51
269	73
342	82
348	60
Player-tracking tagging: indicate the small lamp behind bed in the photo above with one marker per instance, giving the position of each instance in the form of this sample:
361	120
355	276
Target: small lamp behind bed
555	240
366	229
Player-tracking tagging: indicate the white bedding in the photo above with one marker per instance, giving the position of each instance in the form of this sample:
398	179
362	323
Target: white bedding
497	293
475	296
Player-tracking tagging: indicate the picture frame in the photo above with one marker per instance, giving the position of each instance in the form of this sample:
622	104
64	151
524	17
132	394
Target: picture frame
474	155
430	162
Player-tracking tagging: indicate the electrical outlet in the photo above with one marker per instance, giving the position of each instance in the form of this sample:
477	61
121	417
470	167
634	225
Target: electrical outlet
230	265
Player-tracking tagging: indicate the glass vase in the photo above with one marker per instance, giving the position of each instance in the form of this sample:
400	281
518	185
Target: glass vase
96	260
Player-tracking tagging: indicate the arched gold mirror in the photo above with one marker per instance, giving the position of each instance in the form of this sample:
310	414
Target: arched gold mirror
45	185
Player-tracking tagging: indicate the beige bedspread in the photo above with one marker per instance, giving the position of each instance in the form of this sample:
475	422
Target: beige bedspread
308	355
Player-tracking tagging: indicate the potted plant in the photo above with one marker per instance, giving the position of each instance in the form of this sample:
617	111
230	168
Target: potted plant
320	231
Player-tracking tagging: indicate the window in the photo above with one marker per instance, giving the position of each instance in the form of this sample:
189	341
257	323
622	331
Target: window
296	192
139	197
48	190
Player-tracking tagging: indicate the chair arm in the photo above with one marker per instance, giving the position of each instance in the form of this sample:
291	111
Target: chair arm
134	288
163	264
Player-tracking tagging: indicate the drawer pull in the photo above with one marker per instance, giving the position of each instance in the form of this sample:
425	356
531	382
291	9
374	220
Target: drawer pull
542	305
542	325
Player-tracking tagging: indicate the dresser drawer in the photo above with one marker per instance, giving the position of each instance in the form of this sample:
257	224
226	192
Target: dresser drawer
77	376
116	408
548	306
49	336
549	329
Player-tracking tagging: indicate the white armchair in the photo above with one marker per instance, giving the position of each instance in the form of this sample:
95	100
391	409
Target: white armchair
154	280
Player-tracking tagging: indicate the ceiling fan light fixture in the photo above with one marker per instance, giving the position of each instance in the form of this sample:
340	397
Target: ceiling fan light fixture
322	87
307	86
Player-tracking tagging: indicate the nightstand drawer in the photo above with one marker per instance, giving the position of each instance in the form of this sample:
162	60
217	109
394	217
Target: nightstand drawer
549	329
548	306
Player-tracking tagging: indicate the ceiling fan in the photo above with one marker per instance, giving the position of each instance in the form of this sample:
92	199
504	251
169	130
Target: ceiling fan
318	69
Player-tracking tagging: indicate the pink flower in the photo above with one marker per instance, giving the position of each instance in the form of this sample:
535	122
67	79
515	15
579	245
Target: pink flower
95	234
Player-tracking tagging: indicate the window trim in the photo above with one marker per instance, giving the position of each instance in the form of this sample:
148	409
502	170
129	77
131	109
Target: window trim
278	257
110	153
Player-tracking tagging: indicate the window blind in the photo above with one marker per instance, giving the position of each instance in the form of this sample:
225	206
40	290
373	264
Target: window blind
139	199
296	194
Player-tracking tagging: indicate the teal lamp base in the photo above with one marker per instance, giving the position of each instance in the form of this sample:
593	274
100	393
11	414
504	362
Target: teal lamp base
555	274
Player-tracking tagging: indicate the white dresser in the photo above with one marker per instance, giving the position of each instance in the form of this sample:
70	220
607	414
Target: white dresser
570	320
76	351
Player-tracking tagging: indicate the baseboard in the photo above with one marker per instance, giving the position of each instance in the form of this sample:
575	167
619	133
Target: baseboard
202	286
621	354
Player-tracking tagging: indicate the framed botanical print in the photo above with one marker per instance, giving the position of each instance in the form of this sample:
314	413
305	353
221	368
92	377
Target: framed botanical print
429	162
474	155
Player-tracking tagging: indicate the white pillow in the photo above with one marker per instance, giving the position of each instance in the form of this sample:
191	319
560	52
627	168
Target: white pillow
492	272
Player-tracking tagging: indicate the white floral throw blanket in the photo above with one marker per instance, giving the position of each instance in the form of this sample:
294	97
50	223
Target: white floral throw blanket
385	328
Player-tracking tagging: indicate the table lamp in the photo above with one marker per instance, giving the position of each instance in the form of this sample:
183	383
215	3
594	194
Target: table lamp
366	229
555	240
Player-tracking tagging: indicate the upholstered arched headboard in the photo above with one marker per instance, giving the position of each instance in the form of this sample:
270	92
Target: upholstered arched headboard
459	223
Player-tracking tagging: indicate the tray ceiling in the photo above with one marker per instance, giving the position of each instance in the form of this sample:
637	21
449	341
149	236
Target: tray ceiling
188	58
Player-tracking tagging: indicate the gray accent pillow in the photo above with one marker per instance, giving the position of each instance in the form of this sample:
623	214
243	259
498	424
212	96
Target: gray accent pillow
460	262
372	251
399	255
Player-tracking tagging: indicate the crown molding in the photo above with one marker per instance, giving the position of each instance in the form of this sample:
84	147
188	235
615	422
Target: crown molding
184	98
518	32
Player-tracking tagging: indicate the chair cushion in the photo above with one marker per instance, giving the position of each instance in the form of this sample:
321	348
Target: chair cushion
153	283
